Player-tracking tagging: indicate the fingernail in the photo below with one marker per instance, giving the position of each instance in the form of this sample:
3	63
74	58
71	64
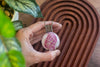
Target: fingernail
60	25
55	53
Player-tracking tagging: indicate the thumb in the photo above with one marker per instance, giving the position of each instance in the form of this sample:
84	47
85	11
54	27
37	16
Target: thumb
47	56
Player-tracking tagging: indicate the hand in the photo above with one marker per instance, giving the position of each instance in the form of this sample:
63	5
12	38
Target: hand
29	36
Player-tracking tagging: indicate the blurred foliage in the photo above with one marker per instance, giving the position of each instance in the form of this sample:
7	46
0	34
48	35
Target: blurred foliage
18	25
10	49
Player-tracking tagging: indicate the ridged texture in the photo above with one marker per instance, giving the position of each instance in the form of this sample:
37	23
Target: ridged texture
78	35
50	41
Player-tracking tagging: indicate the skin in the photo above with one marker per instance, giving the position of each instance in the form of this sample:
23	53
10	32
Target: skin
29	36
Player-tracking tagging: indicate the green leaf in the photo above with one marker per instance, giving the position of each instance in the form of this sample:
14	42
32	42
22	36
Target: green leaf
6	26
12	44
25	6
10	50
4	61
18	25
8	30
2	49
12	58
16	58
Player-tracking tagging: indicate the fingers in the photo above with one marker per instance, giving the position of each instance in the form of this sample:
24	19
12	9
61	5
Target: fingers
39	25
38	35
47	56
36	39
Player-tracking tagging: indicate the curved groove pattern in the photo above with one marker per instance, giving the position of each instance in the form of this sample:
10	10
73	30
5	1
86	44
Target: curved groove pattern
78	35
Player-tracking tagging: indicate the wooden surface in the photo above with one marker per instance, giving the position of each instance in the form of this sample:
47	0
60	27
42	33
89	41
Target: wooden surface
95	59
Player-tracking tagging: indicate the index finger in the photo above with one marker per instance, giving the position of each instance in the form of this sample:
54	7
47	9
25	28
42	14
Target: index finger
39	25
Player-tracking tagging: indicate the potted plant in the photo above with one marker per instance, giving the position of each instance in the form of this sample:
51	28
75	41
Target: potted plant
10	49
12	7
12	14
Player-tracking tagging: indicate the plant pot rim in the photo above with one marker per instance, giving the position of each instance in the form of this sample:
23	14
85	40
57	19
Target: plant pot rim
15	16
